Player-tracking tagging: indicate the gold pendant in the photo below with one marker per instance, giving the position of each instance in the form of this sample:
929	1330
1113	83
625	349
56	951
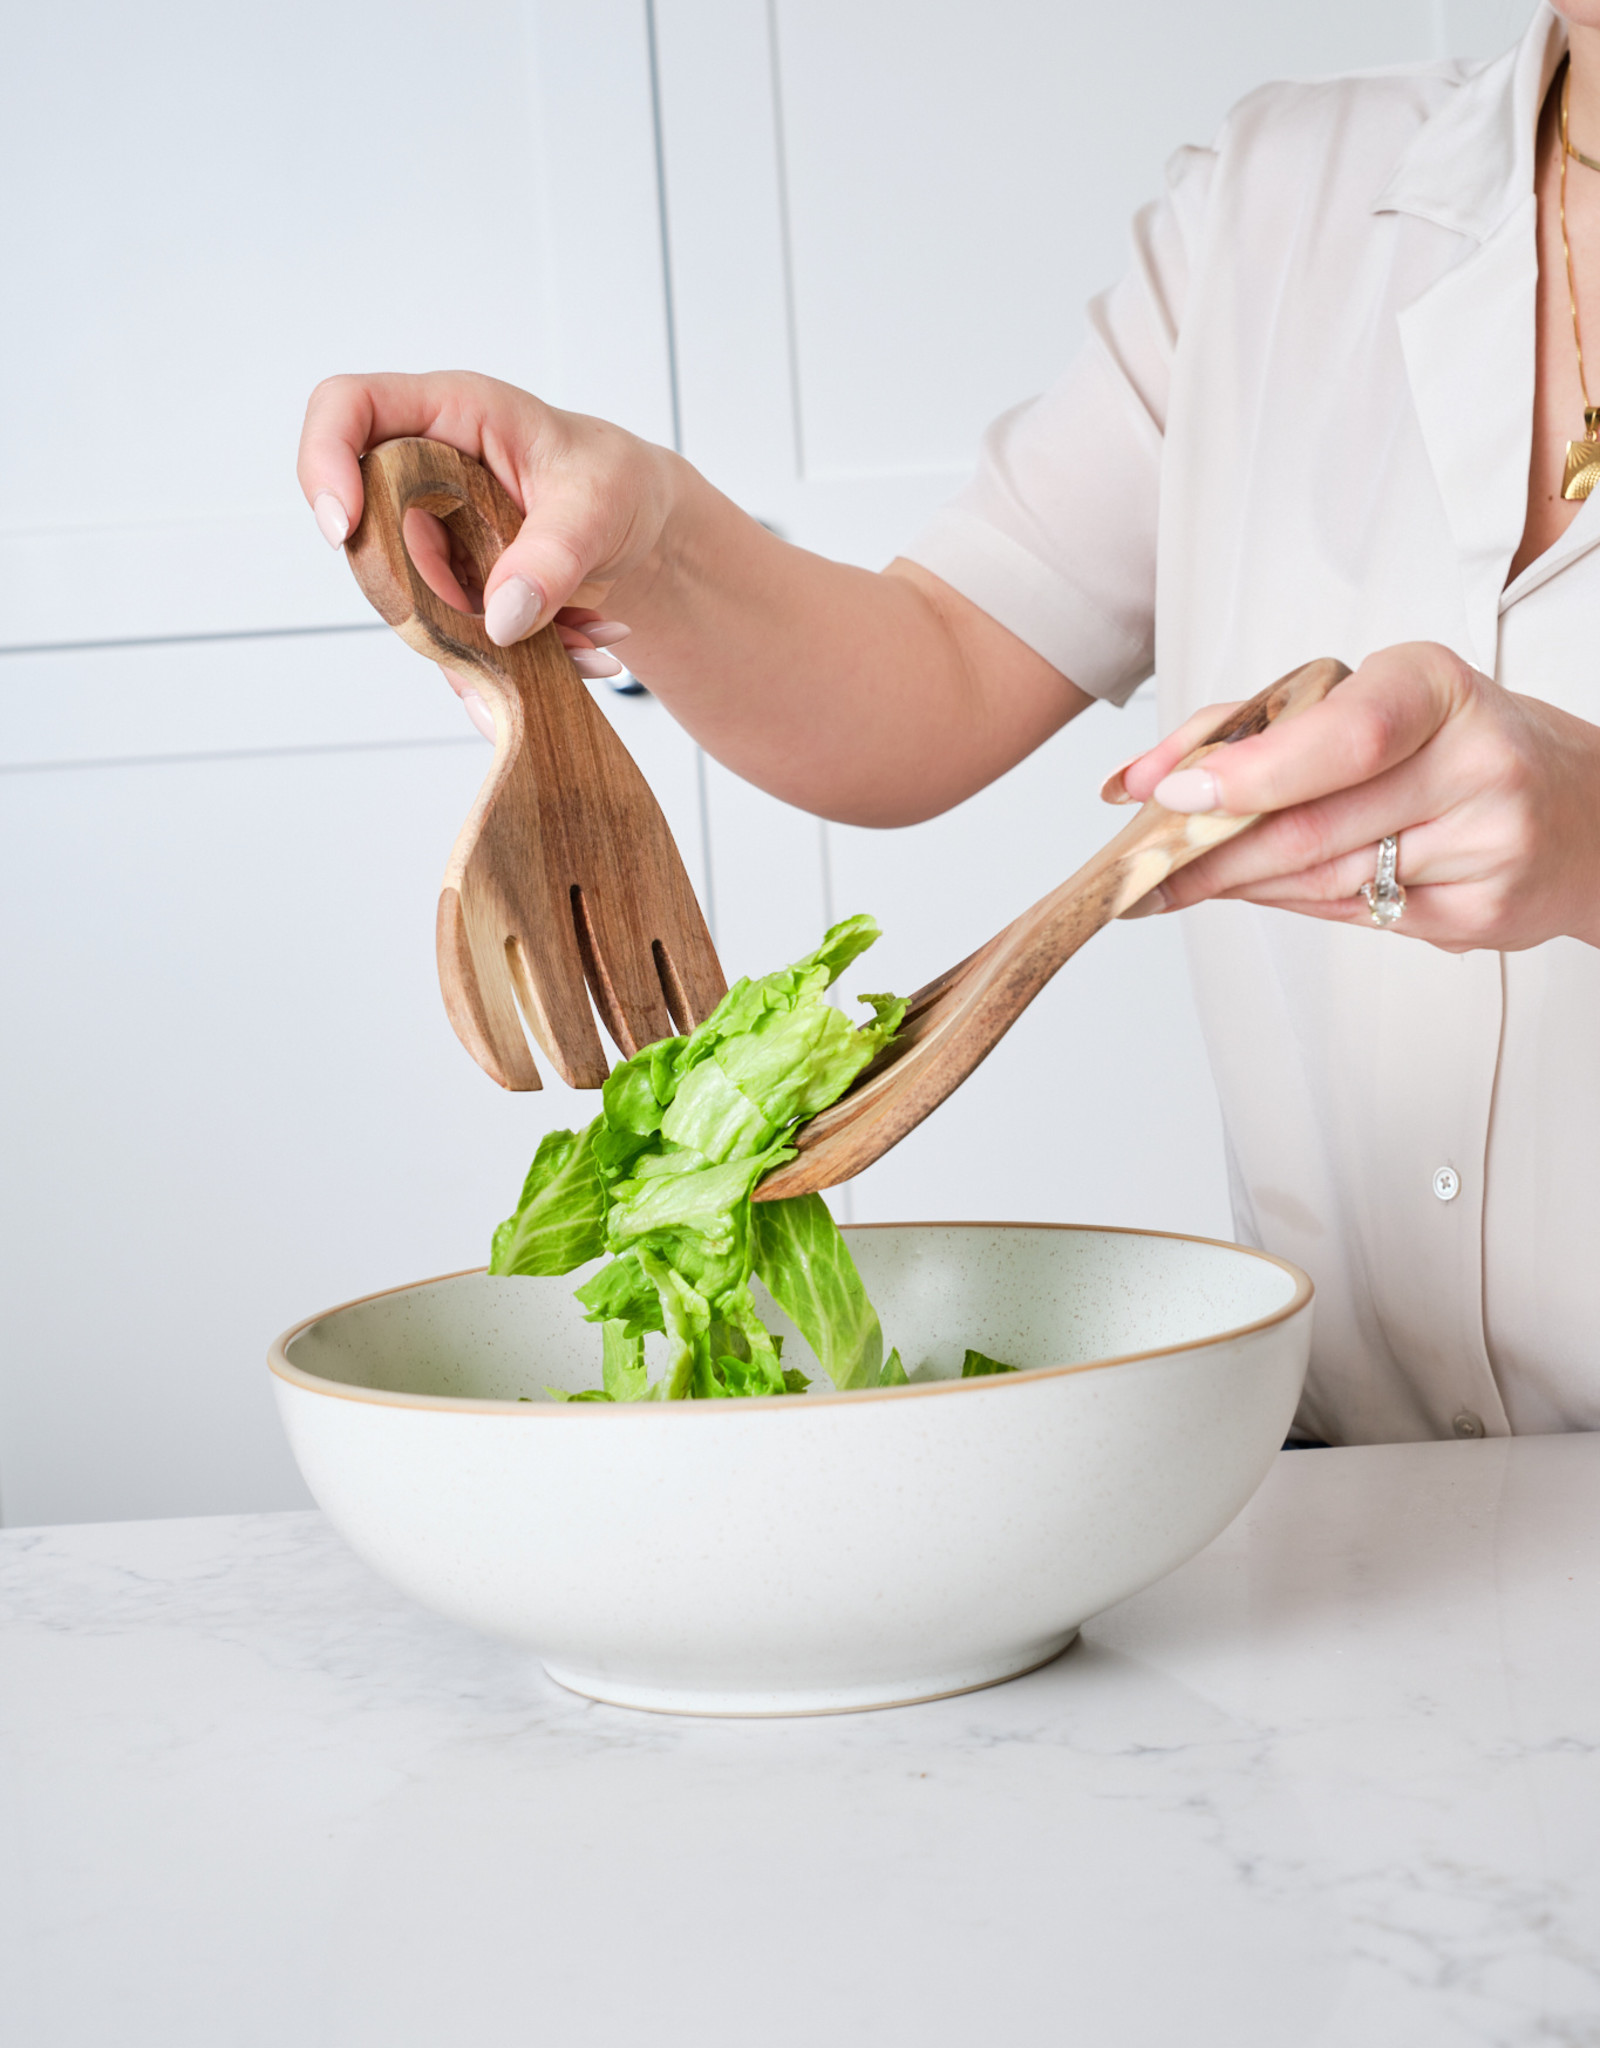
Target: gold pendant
1582	472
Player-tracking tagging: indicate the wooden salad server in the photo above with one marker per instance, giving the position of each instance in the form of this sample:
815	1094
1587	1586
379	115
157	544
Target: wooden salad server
955	1021
565	882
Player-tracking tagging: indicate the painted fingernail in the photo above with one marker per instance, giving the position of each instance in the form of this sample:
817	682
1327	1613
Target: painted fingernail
1112	790
597	665
606	632
331	517
1147	906
478	711
512	611
1189	790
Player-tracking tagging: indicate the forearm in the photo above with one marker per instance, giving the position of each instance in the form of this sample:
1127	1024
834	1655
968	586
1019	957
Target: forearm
873	698
877	699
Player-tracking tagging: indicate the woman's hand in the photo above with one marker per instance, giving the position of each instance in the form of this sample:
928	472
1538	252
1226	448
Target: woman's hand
595	501
1495	800
876	698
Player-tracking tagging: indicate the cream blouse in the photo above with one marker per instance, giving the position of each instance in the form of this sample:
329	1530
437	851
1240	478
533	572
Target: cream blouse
1301	426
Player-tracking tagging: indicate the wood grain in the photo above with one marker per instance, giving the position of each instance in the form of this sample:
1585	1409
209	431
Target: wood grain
957	1020
565	884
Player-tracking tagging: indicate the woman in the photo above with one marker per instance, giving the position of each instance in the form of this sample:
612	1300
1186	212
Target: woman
1328	412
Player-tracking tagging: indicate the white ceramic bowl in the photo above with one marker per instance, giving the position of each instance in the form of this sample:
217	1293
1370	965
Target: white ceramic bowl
826	1552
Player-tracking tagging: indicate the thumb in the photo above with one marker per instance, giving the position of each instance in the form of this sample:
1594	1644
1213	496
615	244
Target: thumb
545	568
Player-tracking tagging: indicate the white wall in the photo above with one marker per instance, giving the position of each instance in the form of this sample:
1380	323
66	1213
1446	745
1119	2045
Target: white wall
230	1095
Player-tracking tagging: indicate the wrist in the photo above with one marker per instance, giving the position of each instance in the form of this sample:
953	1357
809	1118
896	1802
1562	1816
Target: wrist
670	492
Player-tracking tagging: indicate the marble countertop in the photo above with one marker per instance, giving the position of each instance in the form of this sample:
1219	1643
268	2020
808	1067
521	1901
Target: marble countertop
1336	1781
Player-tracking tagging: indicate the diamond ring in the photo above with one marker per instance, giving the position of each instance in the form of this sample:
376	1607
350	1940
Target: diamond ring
1385	897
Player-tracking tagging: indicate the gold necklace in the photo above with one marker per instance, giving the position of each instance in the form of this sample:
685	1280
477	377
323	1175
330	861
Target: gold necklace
1582	470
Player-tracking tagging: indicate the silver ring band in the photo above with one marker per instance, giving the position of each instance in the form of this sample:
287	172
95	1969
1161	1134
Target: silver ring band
1384	896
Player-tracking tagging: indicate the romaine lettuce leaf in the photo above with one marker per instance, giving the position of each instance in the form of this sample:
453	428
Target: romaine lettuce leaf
560	1221
976	1367
622	1367
806	1267
622	1292
663	1178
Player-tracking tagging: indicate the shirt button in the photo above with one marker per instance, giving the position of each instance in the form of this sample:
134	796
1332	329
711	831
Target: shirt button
1466	1424
1447	1185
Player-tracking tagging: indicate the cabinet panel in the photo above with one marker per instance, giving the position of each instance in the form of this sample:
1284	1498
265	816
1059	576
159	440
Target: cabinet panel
956	193
1480	28
884	223
225	204
317	690
1097	1107
285	694
768	863
233	1095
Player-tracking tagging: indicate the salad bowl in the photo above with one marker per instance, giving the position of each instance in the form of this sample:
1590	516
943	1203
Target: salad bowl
819	1552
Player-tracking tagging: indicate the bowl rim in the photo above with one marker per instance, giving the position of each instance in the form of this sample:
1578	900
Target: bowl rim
279	1362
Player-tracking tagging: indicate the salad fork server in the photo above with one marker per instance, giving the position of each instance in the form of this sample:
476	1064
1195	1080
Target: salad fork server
565	883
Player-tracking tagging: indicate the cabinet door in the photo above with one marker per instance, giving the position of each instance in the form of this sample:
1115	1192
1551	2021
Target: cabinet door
1097	1106
884	221
225	204
232	1096
231	1091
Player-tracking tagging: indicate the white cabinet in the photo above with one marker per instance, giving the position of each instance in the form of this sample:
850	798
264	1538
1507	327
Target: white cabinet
885	219
232	1095
818	243
1097	1106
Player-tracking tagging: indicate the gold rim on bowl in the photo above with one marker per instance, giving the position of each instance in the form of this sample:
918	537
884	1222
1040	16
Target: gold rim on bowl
279	1362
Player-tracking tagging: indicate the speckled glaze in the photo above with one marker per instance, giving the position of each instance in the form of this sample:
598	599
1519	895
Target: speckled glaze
822	1553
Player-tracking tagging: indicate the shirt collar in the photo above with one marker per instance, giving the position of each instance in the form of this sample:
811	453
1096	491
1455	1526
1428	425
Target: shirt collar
1470	164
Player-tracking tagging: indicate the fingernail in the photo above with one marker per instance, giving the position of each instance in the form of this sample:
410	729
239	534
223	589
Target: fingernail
331	517
1112	790
606	632
1147	906
595	666
1189	790
478	711
512	611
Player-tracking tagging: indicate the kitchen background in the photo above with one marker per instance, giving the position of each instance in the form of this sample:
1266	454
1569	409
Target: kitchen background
818	243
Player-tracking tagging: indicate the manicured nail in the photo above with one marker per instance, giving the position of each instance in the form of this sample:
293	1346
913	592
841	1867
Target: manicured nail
512	611
1147	906
1189	790
331	517
606	632
597	665
478	711
1112	790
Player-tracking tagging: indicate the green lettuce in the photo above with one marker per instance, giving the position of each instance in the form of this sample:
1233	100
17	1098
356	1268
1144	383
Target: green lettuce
662	1180
807	1268
976	1367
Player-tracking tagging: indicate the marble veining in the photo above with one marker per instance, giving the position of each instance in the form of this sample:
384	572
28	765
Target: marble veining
1337	1781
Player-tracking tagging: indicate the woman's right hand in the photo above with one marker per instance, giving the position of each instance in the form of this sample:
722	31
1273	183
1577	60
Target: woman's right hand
595	499
875	697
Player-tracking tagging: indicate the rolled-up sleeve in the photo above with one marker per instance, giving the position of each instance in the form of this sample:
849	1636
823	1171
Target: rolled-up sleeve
1055	536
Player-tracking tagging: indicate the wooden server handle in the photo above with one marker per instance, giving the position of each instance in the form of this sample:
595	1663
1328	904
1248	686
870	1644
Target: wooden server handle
426	476
564	886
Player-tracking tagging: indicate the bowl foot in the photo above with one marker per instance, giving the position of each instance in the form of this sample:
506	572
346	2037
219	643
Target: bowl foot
784	1702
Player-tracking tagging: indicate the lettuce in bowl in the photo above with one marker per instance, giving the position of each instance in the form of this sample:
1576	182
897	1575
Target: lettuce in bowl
662	1181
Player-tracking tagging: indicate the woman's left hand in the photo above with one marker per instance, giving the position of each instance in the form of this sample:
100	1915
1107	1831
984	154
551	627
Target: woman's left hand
1494	798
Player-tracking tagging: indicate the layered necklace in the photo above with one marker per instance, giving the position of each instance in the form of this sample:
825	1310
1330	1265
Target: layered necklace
1582	472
